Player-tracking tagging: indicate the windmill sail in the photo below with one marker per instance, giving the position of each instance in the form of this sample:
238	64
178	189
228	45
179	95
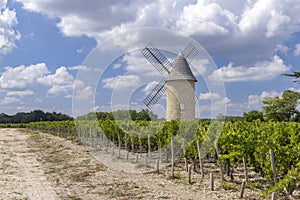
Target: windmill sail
156	58
155	94
190	52
162	64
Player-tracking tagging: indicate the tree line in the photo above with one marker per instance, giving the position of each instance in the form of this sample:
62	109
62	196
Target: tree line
278	109
134	115
33	116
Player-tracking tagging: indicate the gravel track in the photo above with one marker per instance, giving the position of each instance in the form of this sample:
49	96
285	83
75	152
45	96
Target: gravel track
42	166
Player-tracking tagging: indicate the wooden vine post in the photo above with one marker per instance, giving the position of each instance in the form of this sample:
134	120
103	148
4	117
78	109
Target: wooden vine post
119	145
220	162
273	165
157	165
200	159
274	171
149	146
172	155
245	168
211	177
242	189
190	173
186	163
132	144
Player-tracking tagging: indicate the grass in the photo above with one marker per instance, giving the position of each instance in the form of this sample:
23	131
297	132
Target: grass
75	198
5	141
175	177
52	170
133	186
255	185
163	197
230	186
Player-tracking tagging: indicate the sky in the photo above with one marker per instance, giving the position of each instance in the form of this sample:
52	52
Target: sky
45	44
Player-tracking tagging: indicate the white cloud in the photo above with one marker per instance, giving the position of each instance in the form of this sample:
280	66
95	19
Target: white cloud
9	100
135	62
22	76
276	22
281	48
246	27
149	87
8	36
117	65
81	91
255	102
61	81
209	96
199	66
265	70
121	82
206	19
218	106
271	17
80	67
88	17
20	93
297	50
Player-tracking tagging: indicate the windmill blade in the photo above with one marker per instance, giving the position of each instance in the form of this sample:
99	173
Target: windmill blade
156	58
153	97
190	52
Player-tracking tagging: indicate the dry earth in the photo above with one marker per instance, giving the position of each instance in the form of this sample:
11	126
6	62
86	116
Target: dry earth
37	166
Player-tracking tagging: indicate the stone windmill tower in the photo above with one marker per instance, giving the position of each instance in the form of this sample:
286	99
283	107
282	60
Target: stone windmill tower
180	83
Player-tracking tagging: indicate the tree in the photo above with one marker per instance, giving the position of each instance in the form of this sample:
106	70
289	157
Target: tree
253	115
282	109
295	75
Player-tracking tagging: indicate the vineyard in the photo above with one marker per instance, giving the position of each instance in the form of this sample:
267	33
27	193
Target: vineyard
269	148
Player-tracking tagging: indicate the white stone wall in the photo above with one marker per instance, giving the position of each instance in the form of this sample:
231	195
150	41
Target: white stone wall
180	92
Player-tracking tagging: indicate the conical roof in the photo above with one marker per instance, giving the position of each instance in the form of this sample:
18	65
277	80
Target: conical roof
181	70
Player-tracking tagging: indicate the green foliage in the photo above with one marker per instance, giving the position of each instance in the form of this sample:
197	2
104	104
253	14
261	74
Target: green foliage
282	109
253	115
120	115
295	75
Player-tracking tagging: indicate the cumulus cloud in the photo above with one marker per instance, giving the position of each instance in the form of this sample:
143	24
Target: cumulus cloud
22	76
20	93
206	19
265	70
8	35
149	87
297	50
281	48
218	106
88	17
61	81
121	82
81	91
255	102
247	27
209	96
80	67
199	66
135	62
8	100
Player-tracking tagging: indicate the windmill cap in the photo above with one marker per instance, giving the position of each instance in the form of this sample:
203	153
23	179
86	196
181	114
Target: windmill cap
181	70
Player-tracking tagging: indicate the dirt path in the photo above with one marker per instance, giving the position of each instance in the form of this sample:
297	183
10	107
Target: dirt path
21	174
42	166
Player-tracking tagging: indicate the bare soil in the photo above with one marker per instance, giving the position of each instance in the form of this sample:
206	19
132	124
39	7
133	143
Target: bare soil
36	165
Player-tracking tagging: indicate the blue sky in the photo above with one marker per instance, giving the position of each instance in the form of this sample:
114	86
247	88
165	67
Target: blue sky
44	43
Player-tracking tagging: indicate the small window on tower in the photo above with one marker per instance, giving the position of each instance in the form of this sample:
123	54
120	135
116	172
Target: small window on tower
181	106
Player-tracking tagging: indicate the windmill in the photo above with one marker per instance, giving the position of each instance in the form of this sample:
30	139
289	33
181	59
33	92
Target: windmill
179	84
